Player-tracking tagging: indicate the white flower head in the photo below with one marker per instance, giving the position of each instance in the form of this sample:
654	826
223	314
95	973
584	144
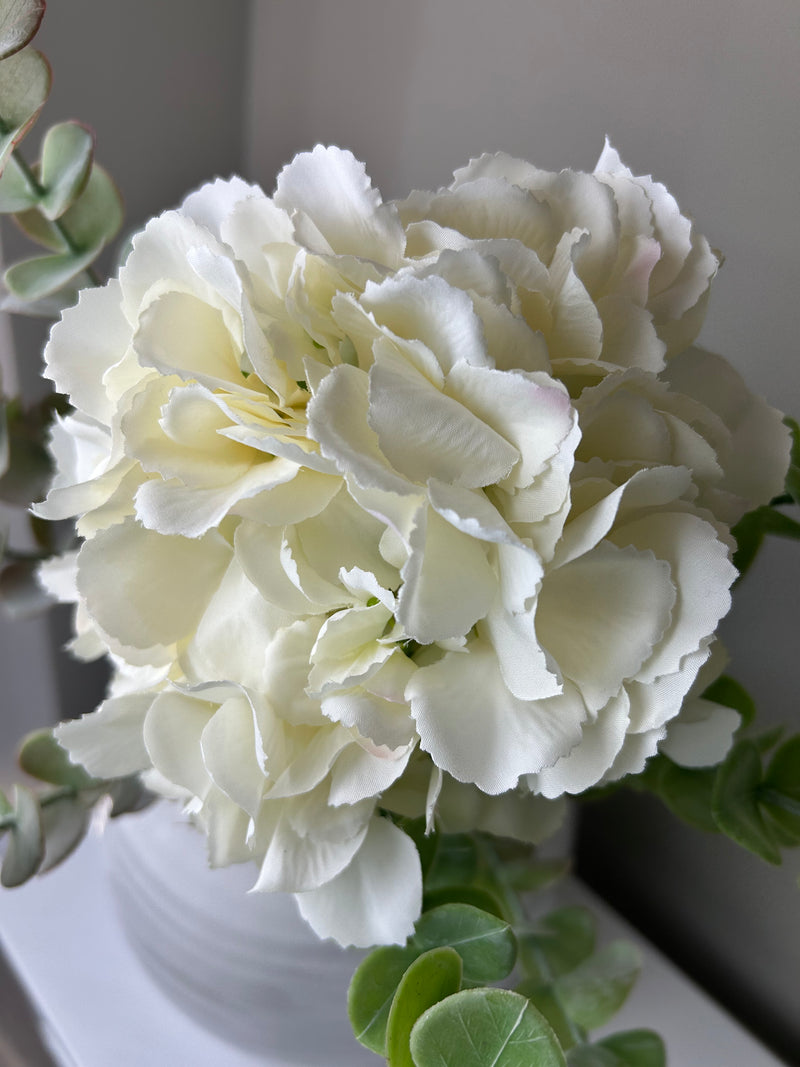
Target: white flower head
416	507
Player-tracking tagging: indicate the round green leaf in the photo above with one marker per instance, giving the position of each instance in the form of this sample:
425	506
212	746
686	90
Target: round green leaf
466	894
430	978
736	802
17	193
19	21
41	276
783	773
560	941
597	988
372	990
454	863
66	163
688	792
64	823
41	756
25	80
726	690
25	849
484	1028
631	1048
486	944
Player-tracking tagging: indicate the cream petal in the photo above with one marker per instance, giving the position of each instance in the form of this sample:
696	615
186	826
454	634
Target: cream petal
173	730
626	599
108	742
90	338
425	433
702	734
330	188
144	588
359	774
347	650
377	899
435	601
213	202
228	747
521	815
601	741
286	665
384	722
477	731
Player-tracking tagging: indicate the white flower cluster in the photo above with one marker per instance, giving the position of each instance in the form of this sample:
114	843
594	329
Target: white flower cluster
419	506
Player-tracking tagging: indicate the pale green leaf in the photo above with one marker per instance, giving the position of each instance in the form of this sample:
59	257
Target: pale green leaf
64	823
631	1048
24	86
597	988
16	192
41	756
372	990
42	276
25	849
736	802
484	1028
19	21
430	978
561	940
65	167
484	942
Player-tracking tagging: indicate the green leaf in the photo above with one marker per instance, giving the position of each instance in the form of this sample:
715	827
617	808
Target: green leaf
35	278
41	756
372	990
19	21
6	808
597	988
29	467
726	690
16	191
736	802
127	794
65	167
64	824
430	978
25	849
467	894
536	875
631	1048
793	473
688	792
779	792
454	863
485	943
545	1000
561	940
484	1028
25	80
751	529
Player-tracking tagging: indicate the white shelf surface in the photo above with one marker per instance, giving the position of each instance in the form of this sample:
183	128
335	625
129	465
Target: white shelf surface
98	1005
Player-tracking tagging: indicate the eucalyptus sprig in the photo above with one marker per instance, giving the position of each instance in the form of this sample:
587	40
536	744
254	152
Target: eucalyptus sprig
436	1002
43	828
65	202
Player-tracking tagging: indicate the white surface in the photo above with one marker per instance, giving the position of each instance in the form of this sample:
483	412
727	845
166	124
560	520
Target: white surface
62	936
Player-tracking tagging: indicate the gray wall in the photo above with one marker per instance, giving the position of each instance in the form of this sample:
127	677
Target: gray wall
701	94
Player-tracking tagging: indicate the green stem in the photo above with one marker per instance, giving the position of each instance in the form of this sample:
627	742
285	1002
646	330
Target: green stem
8	822
39	190
779	800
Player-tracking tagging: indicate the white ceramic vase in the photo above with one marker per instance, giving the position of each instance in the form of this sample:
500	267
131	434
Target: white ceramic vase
244	965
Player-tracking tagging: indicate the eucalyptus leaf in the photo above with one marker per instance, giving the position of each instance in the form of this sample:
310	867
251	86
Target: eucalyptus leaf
783	772
372	990
545	1000
65	167
561	940
127	795
467	894
25	80
455	862
688	792
736	802
17	193
21	594
41	276
49	307
751	529
631	1048
25	849
484	1028
64	824
90	222
536	875
41	756
29	467
597	988
484	942
431	977
6	807
19	21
